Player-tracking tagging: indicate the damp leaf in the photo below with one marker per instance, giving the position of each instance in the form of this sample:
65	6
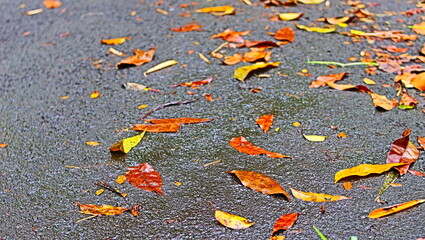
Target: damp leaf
232	221
218	10
126	144
330	78
329	29
160	66
381	212
260	182
364	170
178	120
315	138
242	145
100	209
316	197
403	151
140	57
145	177
265	122
242	72
285	222
166	127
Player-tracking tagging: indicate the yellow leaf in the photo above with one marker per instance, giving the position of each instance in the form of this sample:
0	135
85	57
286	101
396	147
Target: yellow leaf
121	179
381	212
289	16
142	106
369	81
311	1
232	221
161	66
317	29
277	238
92	143
218	11
113	41
316	197
296	124
125	145
178	183
242	72
95	94
356	32
64	97
315	138
365	169
100	191
100	209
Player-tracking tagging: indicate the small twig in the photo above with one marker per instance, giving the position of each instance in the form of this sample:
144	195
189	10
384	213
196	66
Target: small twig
110	188
343	64
87	218
167	105
211	163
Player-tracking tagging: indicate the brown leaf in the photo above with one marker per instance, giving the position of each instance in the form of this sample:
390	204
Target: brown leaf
145	177
403	151
242	145
285	222
231	36
395	49
260	44
265	122
187	28
323	80
167	127
100	209
194	84
285	34
260	182
407	100
383	102
140	57
52	3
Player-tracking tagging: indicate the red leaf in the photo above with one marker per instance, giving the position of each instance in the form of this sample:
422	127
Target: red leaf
145	177
403	151
322	80
167	127
417	173
285	222
194	84
242	145
265	122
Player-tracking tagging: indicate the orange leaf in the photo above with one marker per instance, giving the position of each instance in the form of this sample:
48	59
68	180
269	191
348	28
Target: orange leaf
52	3
260	182
285	34
100	209
383	102
140	57
416	173
253	56
178	120
218	11
347	185
260	44
419	81
187	28
316	197
167	127
323	80
407	100
403	151
419	28
395	49
285	222
265	122
194	84
114	41
242	145
337	86
231	36
145	177
3	145
421	141
232	221
232	60
381	212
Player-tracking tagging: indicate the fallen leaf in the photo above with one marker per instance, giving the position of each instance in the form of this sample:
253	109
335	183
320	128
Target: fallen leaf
265	122
253	56
285	34
52	3
316	197
421	141
92	143
278	238
115	52
337	21
142	106
187	28
260	44
365	169
315	138
369	81
114	41
231	36
125	145
3	145
100	209
341	87
407	101
311	1
140	57
383	102
234	59
419	28
242	72
403	151
121	179
329	29
178	120
218	11
145	177
395	185
285	222
242	145
347	185
290	16
381	212
395	49
341	135
95	94
416	173
323	80
194	84
296	124
160	66
260	183
232	221
33	12
99	192
419	81
167	127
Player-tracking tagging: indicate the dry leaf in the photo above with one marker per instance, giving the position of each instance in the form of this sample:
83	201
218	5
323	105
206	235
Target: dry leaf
232	221
369	81
187	28
323	80
100	209
265	122
285	34
242	145
421	141
341	135
347	185
140	57
383	102
329	29
253	56
242	72
364	170
419	81
95	94
416	173
160	66
52	3
121	179
167	127
315	138
145	177
194	84
3	145
311	1
260	183
178	120
114	41
381	212
290	16
125	145
218	11
92	143
285	222
316	197
419	28
231	36
234	59
403	151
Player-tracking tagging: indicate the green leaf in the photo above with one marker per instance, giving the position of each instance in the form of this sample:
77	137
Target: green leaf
319	233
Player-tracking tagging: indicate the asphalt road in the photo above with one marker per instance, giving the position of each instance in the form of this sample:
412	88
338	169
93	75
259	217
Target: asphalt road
54	53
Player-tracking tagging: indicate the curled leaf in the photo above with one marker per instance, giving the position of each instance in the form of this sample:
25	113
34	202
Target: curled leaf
100	209
323	80
242	72
145	177
381	212
140	57
242	145
232	221
160	66
311	1
383	102
403	151
316	197
125	145
231	36
364	170
113	41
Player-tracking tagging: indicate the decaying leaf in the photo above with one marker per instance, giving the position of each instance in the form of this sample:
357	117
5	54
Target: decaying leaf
52	3
100	209
218	11
242	145
166	127
290	16
323	80
381	212
140	57
316	197
232	221
160	66
125	145
364	170
260	182
315	138
329	29
145	177
403	151
285	34
194	84
419	81
114	41
242	72
383	102
187	28
285	222
231	36
265	122
178	120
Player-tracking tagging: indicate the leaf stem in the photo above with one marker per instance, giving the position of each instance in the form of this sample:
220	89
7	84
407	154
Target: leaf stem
342	64
319	233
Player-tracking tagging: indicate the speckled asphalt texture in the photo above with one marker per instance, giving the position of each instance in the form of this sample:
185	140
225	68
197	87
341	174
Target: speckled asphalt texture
58	53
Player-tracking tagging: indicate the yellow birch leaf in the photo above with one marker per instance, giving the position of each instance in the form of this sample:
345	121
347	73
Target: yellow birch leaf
232	221
315	138
121	179
317	29
125	145
242	72
161	66
381	212
365	169
142	106
92	143
218	11
311	1
289	16
316	197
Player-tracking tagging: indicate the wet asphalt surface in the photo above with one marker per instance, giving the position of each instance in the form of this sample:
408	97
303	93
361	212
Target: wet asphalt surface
47	134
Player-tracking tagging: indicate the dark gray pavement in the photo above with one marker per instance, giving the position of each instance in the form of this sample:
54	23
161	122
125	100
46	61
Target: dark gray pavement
45	133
